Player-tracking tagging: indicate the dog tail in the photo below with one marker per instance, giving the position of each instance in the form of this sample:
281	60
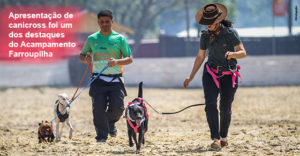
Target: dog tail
140	90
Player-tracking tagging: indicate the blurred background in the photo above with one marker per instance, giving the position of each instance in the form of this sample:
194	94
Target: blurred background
165	39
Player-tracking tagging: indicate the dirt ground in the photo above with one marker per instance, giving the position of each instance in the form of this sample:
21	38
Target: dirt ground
265	121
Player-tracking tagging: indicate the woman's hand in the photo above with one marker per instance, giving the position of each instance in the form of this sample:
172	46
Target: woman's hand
187	81
240	52
228	55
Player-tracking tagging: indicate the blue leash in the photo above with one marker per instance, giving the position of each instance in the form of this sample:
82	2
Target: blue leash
104	68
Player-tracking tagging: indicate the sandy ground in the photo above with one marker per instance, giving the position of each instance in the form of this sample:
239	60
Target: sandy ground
265	121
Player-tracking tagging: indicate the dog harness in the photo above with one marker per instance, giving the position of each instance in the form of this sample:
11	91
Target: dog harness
61	117
129	119
233	72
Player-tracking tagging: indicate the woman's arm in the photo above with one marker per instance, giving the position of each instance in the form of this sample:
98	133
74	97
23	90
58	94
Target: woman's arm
197	64
240	52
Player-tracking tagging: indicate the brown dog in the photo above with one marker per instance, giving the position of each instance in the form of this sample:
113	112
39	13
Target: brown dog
45	132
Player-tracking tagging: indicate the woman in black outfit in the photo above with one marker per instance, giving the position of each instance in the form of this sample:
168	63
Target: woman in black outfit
220	75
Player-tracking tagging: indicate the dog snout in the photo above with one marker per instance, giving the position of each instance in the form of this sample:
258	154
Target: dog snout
47	130
139	117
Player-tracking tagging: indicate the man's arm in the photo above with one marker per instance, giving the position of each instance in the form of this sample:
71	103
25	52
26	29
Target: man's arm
85	58
123	61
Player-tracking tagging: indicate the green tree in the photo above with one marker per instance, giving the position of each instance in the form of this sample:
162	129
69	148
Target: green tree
139	15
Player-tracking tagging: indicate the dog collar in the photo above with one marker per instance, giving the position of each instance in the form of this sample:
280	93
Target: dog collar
140	101
129	118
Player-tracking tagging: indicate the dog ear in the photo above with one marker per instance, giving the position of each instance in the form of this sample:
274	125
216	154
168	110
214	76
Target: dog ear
129	108
63	95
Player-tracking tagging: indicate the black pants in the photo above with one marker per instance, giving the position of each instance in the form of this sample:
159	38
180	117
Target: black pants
108	105
211	93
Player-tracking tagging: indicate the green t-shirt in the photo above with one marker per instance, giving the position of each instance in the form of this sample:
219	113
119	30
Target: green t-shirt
103	47
225	41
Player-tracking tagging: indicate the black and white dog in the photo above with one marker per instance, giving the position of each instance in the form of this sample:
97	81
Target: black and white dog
62	115
137	119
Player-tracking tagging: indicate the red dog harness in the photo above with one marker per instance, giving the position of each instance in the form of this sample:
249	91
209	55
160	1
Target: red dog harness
233	72
127	116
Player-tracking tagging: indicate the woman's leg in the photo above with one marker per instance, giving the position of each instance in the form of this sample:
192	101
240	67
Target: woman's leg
226	99
211	94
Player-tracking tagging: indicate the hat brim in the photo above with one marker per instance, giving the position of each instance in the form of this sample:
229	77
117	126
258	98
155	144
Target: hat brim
199	15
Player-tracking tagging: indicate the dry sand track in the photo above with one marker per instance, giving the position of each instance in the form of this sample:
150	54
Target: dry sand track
265	121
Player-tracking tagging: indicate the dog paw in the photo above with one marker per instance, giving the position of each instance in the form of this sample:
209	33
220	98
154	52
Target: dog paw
70	136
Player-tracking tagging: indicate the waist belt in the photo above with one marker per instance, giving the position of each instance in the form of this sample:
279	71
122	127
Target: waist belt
108	75
114	76
221	68
233	72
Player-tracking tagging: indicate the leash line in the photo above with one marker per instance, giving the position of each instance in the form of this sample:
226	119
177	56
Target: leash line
89	65
168	113
104	68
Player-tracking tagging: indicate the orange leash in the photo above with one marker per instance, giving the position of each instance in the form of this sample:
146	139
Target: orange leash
91	71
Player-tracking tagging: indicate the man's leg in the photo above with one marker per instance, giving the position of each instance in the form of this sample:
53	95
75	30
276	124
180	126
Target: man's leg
116	106
99	98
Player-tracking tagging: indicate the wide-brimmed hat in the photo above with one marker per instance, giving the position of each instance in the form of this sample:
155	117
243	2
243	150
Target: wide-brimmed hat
211	14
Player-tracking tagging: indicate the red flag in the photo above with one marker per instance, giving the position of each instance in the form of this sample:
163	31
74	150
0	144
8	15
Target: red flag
279	8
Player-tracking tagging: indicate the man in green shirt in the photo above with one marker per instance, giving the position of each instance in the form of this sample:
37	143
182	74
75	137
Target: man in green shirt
101	48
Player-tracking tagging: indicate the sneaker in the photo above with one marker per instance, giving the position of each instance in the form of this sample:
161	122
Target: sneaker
216	145
113	133
113	130
101	140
